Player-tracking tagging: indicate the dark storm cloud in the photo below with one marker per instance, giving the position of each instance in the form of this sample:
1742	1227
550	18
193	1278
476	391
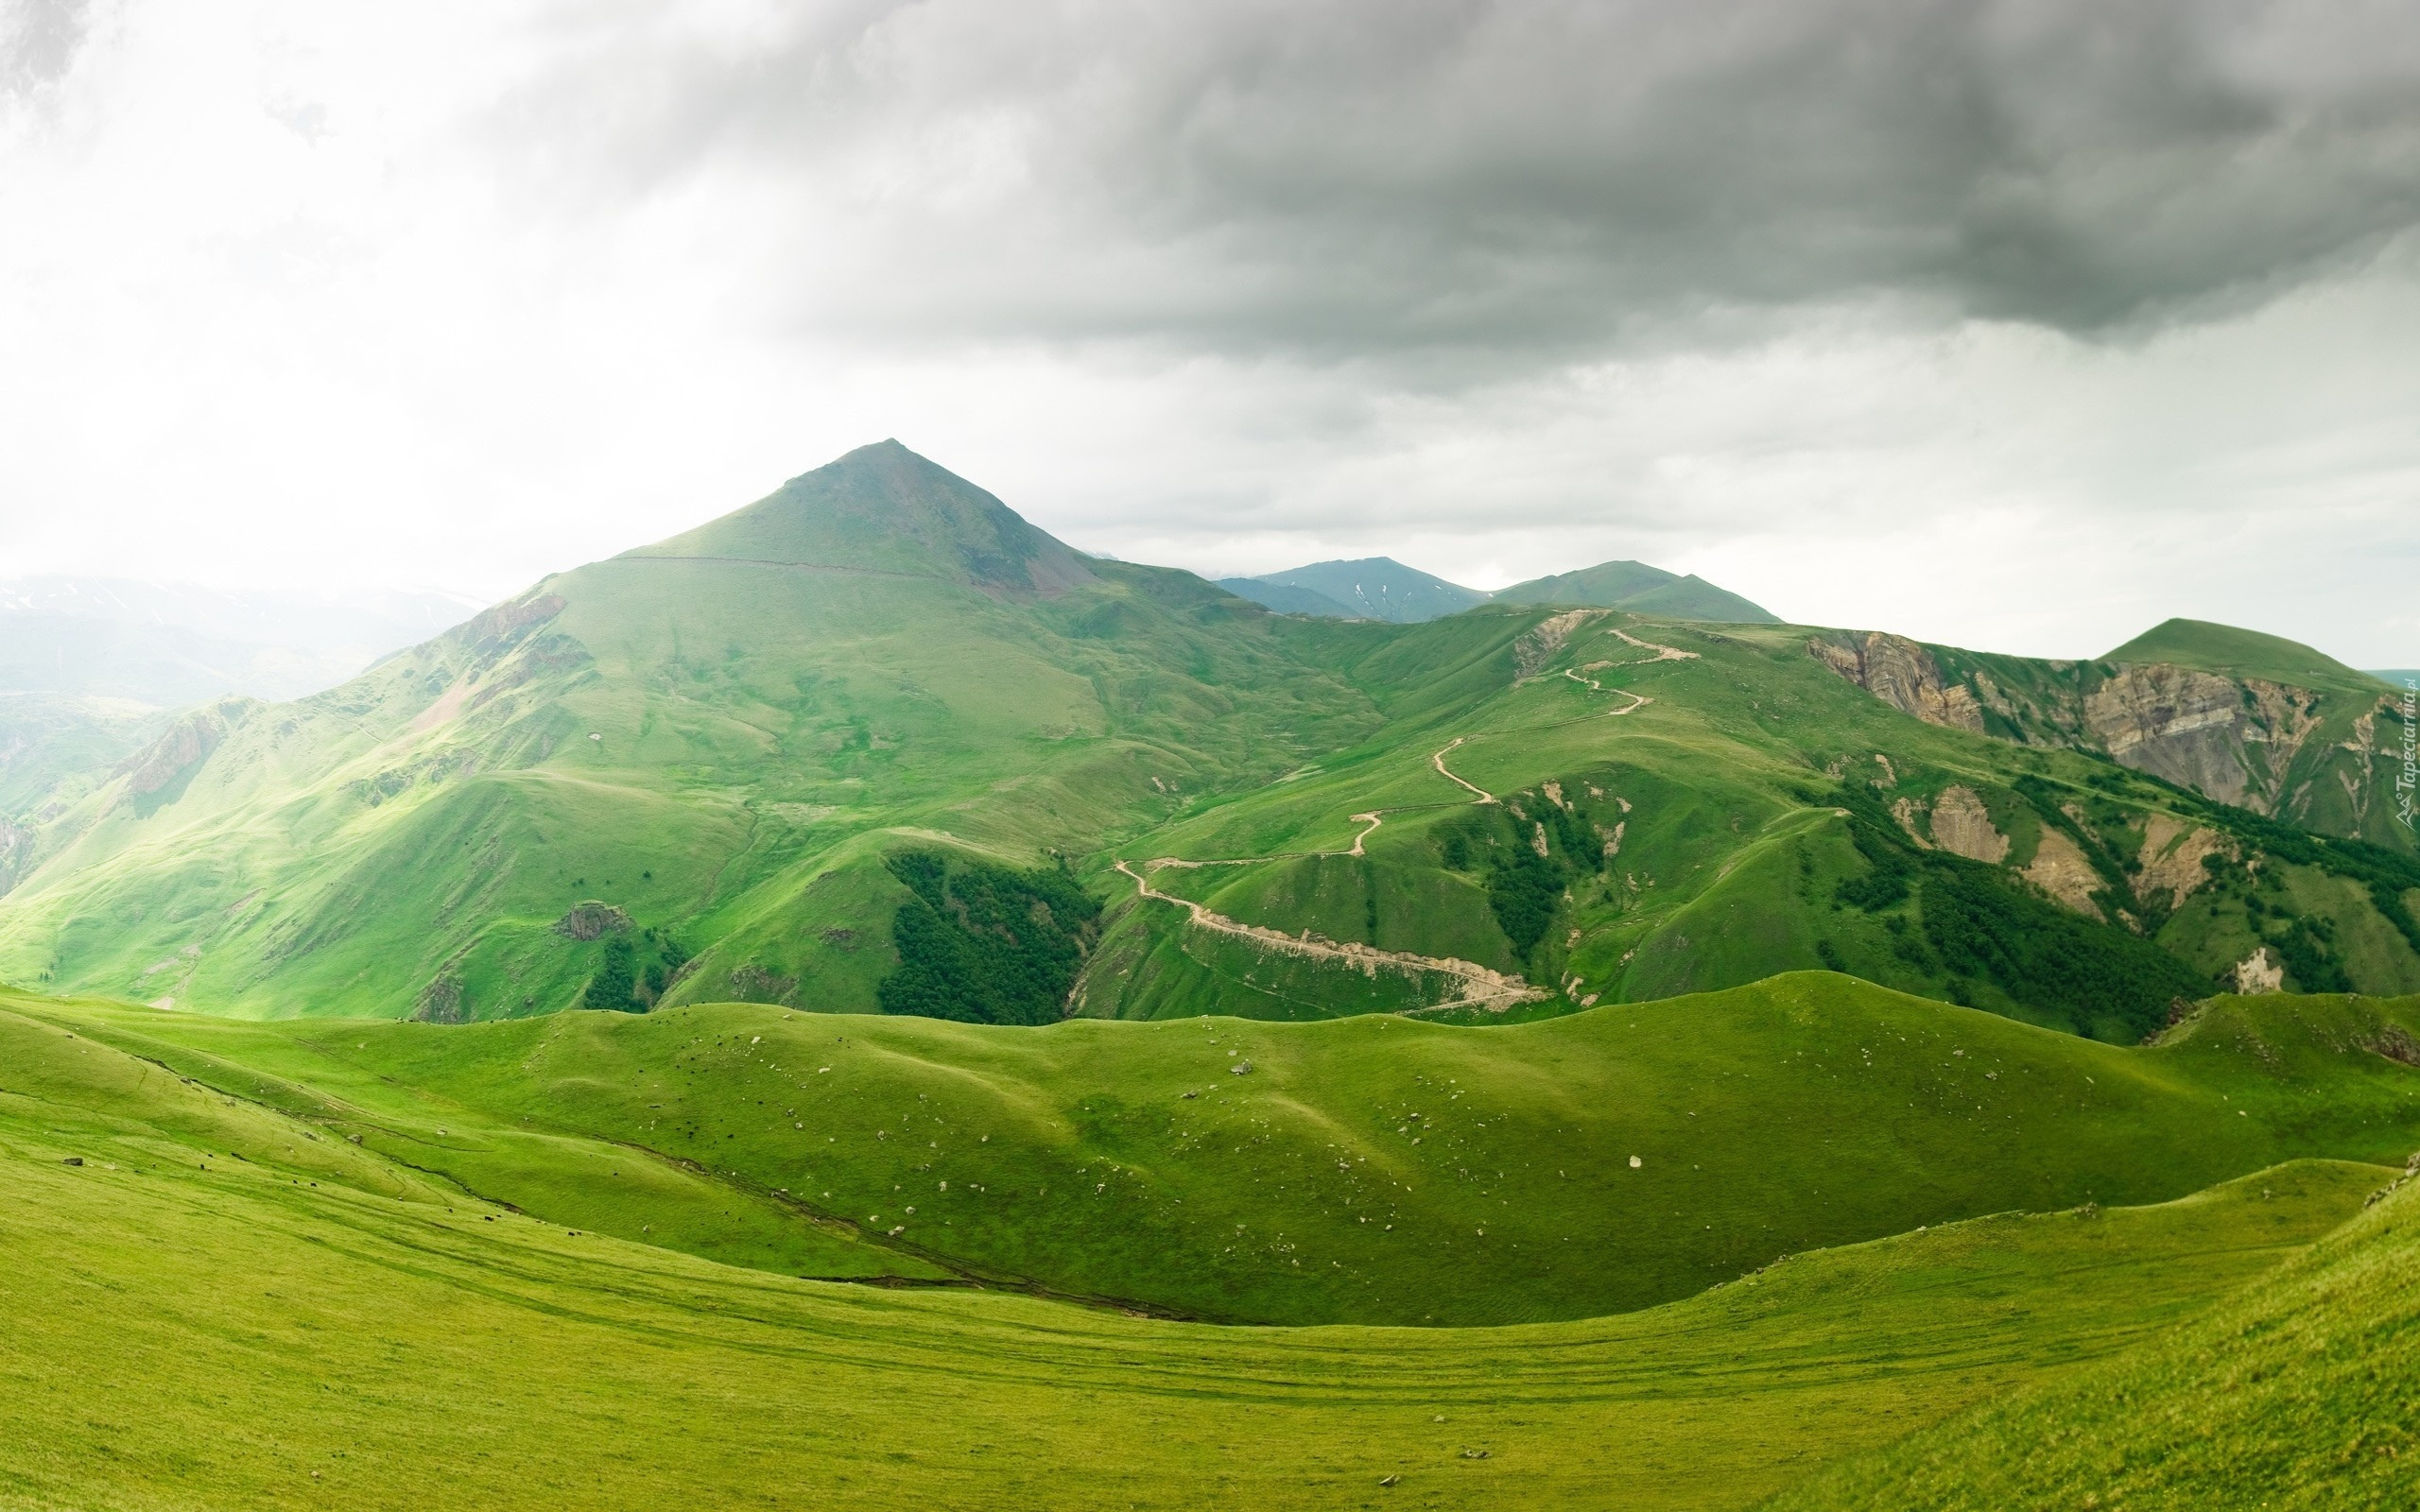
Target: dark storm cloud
1369	174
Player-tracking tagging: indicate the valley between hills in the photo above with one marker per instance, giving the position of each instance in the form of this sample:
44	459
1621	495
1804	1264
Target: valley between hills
862	1005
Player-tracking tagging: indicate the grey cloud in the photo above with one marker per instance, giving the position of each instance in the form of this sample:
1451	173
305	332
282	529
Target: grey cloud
1382	176
38	41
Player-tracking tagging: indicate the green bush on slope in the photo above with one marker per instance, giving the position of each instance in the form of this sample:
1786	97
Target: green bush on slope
980	943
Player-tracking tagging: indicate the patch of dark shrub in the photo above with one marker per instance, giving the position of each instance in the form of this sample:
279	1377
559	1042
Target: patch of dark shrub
980	943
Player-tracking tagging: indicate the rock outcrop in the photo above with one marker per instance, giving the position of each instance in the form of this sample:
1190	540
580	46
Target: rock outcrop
16	854
2060	868
1962	826
184	745
2171	857
2256	973
1904	675
592	920
2230	737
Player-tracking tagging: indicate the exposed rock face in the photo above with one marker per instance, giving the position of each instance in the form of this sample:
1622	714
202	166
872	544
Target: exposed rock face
2233	740
1911	815
1962	826
587	922
1536	647
2059	868
2172	856
184	745
441	1002
16	854
2242	740
1905	676
2256	973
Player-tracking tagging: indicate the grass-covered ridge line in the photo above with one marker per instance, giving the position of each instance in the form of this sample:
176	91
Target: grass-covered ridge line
1364	1170
2294	1395
209	1243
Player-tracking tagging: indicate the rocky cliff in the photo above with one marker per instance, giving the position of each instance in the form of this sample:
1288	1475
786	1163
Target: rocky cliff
2306	753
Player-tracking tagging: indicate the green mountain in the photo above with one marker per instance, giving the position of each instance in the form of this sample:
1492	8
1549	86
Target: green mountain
694	756
1379	588
875	744
2223	648
1641	589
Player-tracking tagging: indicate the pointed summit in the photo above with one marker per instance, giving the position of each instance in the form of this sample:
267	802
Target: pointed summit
882	508
1642	590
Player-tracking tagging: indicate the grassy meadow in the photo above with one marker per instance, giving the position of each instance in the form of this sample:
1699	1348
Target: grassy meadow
226	1303
1370	1170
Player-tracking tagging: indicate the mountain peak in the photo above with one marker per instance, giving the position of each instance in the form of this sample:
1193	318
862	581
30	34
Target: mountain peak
1380	588
1642	590
883	508
2207	646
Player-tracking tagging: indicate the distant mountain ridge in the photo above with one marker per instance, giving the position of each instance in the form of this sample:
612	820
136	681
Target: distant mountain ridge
1380	588
168	645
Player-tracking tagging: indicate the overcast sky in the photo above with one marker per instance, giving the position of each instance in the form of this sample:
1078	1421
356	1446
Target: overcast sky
2019	326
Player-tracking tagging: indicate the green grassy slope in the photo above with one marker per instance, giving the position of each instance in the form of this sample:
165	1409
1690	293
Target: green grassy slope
1642	589
1371	1169
1702	840
718	736
47	739
315	1324
2227	648
2296	1394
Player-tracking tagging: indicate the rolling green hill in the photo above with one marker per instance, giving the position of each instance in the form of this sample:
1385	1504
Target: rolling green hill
318	1321
1365	1170
2293	1395
1675	808
2207	647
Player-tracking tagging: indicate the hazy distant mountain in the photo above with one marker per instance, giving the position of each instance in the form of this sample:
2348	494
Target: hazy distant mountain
1380	588
1642	589
1376	588
168	645
1287	599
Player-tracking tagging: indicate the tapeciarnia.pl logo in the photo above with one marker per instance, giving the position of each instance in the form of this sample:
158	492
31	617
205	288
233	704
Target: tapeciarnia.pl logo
2409	778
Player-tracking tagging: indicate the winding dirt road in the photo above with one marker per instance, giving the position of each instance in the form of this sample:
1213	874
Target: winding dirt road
1483	988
